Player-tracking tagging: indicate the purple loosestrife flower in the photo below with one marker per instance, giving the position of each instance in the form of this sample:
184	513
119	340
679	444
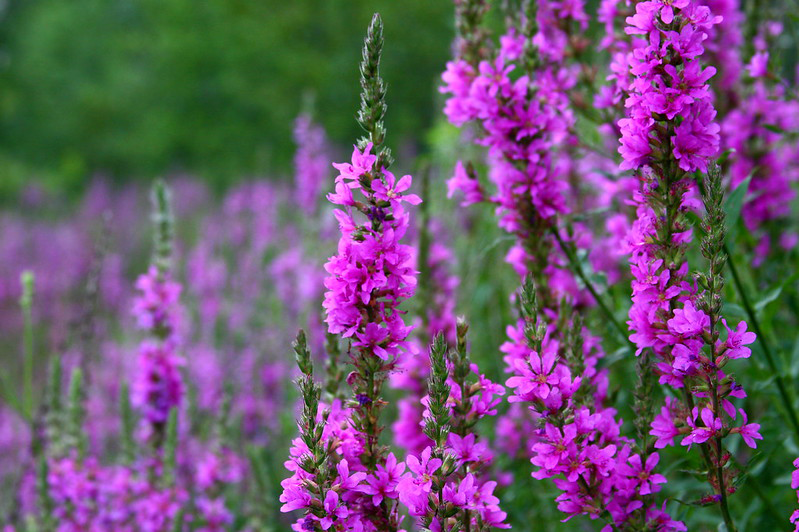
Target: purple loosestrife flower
449	483
671	124
88	496
311	168
368	279
576	445
324	460
371	275
158	385
156	306
216	471
756	131
520	100
523	120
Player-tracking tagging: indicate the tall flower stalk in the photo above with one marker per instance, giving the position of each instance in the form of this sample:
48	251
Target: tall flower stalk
527	123
158	387
669	134
446	486
368	279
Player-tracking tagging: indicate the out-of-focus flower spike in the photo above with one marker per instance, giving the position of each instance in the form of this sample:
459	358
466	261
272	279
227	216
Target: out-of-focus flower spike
54	415
76	414
164	227
26	304
224	437
529	30
472	42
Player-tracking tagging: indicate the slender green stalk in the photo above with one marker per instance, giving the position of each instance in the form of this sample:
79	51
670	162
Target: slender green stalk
54	417
761	338
43	494
164	234
177	525
171	448
26	303
76	414
578	269
126	412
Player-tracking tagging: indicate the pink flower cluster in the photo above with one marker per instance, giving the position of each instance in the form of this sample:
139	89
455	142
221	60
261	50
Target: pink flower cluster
310	163
454	477
214	472
88	496
158	386
580	449
758	132
669	97
527	126
371	274
156	306
523	119
664	316
350	493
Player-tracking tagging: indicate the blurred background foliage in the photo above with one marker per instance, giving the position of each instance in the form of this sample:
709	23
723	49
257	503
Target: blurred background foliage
134	89
138	88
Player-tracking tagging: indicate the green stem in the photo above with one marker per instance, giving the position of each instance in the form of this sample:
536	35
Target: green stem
28	363
750	312
758	489
703	448
578	269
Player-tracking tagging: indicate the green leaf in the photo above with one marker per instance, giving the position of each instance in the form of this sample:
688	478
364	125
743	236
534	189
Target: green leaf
731	310
775	292
735	202
722	160
795	358
774	129
770	296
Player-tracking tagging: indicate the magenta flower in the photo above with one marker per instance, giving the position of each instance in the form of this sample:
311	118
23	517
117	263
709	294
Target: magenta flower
558	448
663	426
736	340
688	321
383	483
644	473
748	431
348	481
362	163
470	187
701	433
392	190
333	510
534	376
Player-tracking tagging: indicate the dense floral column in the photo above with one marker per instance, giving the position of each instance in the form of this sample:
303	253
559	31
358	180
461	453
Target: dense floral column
670	133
